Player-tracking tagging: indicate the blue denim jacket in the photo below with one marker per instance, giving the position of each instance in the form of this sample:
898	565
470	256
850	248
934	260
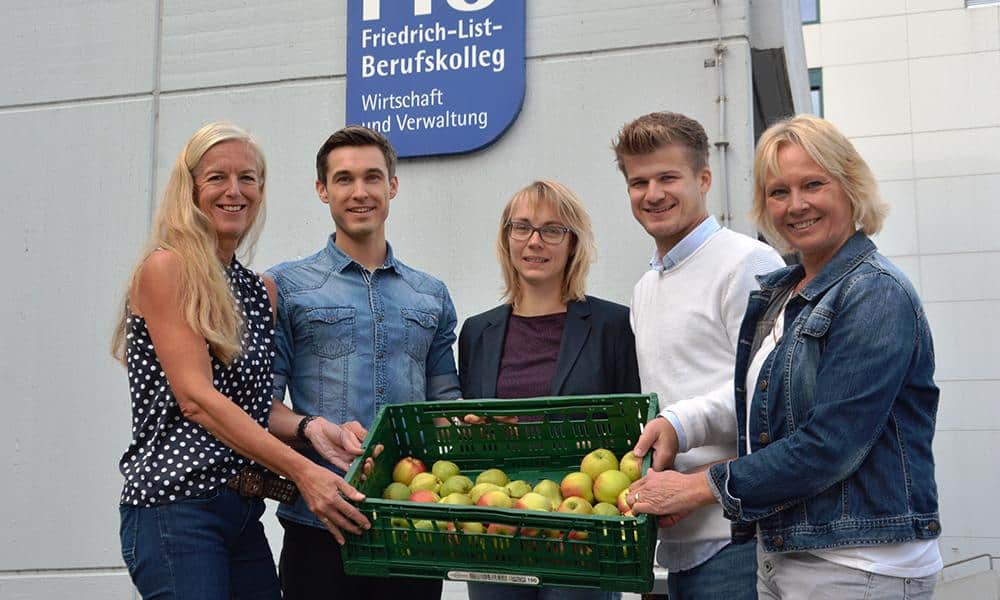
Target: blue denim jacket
842	416
348	342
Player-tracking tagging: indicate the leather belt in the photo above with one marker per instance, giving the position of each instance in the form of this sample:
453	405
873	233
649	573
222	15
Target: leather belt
257	482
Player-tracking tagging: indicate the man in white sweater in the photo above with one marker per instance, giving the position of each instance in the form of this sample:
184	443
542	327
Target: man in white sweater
686	315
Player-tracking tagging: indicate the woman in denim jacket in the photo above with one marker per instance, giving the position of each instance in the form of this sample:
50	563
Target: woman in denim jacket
835	396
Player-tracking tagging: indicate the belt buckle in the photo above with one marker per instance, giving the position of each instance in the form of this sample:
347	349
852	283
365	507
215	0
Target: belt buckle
251	483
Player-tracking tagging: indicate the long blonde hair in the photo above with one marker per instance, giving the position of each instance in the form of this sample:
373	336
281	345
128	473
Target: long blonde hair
182	228
573	215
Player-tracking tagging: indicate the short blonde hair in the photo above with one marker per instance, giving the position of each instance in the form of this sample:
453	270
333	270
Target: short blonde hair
835	154
573	215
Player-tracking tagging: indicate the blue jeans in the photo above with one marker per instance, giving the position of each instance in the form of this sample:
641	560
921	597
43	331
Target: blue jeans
206	548
729	575
500	591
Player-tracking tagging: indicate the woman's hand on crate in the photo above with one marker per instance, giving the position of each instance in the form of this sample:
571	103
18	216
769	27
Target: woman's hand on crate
326	495
670	495
658	434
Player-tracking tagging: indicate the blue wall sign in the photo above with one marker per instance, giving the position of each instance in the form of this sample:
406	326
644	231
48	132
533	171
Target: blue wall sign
435	76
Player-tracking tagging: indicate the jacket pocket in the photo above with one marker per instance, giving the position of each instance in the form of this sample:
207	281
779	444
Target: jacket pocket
331	330
817	324
420	327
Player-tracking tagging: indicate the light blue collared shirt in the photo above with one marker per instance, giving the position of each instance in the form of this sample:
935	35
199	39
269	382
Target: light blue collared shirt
676	255
686	247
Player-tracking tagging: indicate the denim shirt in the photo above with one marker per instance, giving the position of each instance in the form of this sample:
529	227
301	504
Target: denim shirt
349	341
842	415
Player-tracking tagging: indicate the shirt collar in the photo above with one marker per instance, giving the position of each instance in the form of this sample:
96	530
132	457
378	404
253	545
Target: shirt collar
857	248
341	260
686	247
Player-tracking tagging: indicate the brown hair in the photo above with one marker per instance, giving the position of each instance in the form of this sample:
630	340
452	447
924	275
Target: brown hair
651	132
355	135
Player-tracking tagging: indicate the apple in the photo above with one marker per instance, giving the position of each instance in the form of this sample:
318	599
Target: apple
606	509
396	491
424	496
495	498
623	505
406	469
501	529
547	487
578	535
456	483
516	489
423	524
631	465
471	527
597	462
578	484
444	469
495	476
400	522
533	501
609	484
481	488
425	481
456	498
444	526
576	504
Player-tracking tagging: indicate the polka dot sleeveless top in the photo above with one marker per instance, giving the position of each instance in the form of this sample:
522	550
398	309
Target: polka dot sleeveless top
171	458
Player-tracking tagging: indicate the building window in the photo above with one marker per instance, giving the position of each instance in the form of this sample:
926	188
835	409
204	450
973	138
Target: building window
809	9
969	3
816	91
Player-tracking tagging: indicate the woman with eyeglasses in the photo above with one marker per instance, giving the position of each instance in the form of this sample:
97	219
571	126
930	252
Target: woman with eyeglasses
548	338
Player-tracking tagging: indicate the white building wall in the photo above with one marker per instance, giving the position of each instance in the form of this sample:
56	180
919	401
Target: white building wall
916	85
98	99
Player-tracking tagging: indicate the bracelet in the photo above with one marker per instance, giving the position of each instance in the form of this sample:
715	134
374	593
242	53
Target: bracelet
300	431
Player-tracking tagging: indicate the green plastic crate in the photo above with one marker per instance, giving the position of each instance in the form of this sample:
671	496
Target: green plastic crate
617	553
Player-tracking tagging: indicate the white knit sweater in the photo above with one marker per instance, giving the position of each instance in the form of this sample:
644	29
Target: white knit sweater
686	323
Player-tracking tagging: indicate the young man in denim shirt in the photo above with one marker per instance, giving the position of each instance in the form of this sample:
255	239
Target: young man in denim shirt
357	329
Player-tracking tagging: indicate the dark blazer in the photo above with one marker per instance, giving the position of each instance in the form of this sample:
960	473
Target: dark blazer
596	355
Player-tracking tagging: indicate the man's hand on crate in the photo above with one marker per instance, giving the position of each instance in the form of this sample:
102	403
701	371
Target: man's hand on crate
337	444
480	420
660	435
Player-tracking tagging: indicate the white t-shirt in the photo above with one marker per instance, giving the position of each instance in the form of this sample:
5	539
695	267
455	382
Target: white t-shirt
917	558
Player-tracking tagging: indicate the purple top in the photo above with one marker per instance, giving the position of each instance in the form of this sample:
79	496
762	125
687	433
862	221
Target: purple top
528	362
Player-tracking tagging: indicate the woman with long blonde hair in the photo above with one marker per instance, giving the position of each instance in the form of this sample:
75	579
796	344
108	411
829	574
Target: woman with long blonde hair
196	338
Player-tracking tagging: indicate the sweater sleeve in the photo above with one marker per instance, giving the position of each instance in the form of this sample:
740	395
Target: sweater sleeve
710	418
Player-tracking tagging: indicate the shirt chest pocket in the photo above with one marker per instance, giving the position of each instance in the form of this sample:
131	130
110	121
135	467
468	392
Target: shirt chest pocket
419	326
331	330
812	335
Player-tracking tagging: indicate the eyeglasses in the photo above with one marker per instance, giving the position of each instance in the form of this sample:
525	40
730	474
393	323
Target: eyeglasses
550	234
